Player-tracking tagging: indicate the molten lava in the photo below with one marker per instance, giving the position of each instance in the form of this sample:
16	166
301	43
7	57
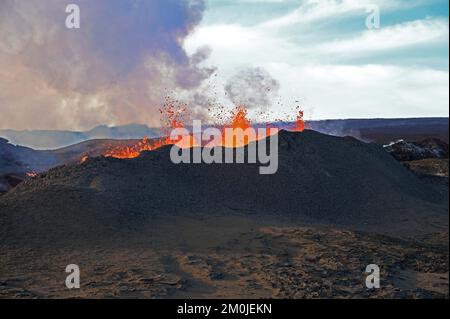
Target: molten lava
240	119
173	118
84	159
239	122
134	151
32	174
300	123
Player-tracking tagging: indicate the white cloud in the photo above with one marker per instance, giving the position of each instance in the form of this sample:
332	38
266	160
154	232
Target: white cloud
311	71
342	91
234	45
314	10
411	33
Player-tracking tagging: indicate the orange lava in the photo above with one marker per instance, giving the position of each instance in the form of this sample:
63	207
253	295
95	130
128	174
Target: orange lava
239	122
300	123
32	174
84	159
134	151
173	118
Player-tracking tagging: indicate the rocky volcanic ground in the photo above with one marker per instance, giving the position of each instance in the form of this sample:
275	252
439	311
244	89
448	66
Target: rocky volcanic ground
266	262
148	228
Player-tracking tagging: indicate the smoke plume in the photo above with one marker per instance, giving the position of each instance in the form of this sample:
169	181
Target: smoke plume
252	87
116	69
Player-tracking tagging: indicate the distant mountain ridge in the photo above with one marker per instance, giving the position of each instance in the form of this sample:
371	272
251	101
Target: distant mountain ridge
382	131
48	139
18	161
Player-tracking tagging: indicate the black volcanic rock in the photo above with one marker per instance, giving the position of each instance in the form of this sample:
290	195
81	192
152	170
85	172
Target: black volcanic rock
321	178
18	160
413	151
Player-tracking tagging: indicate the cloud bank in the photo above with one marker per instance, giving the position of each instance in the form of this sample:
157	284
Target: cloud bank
322	53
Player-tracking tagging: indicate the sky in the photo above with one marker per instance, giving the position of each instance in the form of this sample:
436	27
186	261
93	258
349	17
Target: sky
322	53
270	55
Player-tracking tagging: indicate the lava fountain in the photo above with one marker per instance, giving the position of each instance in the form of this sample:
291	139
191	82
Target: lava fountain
172	118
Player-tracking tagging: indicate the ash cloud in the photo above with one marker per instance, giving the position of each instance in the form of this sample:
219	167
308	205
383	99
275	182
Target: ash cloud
252	87
116	69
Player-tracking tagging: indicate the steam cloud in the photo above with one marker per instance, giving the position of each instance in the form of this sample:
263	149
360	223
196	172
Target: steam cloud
252	87
115	70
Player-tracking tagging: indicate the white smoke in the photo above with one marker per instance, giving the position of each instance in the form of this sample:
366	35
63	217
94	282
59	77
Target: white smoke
253	88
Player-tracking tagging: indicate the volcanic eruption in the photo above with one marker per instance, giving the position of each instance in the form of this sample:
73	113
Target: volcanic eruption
174	118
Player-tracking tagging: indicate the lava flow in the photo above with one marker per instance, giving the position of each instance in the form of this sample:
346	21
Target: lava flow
32	174
134	151
300	123
173	118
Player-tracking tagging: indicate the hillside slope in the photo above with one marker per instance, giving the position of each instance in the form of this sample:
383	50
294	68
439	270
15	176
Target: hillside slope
321	179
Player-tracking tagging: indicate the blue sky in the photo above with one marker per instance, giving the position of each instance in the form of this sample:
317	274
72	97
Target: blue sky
322	53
